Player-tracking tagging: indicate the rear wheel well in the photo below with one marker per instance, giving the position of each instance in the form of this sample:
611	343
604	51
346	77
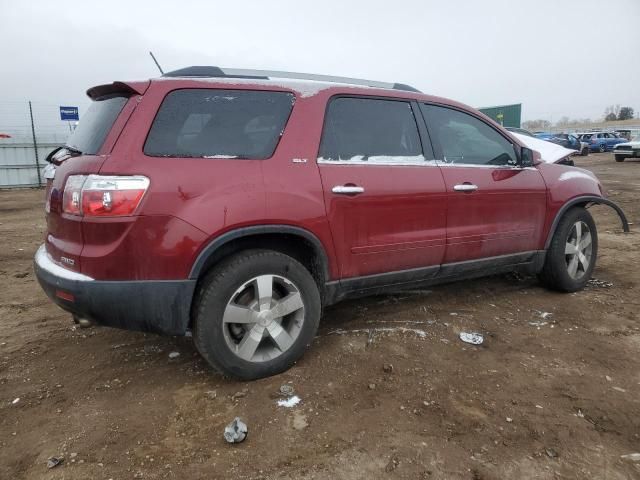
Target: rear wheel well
296	246
289	244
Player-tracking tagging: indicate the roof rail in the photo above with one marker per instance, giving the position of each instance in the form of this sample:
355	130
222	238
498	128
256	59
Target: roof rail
218	72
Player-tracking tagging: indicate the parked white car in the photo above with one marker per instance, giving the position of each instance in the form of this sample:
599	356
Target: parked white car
627	150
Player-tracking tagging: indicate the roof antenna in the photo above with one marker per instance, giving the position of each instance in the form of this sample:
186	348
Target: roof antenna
156	62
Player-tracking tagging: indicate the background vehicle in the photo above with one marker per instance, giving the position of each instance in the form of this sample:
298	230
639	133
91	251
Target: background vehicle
627	150
600	141
521	131
549	152
238	203
566	140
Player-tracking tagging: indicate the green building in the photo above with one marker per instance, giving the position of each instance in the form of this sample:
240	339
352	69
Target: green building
505	115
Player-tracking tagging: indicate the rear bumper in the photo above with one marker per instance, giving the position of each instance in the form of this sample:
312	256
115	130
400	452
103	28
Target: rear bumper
160	306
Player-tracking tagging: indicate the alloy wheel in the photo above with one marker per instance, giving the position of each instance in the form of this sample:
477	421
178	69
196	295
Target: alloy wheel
263	318
578	250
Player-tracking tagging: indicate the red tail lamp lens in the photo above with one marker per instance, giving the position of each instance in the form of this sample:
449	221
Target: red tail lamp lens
104	196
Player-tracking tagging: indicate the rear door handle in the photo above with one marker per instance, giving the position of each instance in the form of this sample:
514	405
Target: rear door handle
347	189
465	187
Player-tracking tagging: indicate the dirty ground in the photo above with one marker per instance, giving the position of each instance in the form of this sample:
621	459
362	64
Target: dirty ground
387	390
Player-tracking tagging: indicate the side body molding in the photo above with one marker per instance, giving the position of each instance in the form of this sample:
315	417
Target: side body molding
585	200
243	232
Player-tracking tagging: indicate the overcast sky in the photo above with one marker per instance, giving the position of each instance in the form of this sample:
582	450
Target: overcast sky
556	57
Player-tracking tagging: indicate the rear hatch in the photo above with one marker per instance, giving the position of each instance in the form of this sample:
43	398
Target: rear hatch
83	154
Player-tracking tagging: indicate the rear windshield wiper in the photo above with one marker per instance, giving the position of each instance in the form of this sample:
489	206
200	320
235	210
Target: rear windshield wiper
72	151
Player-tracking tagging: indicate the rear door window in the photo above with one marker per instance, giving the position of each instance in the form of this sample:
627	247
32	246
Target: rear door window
370	130
464	139
96	123
219	124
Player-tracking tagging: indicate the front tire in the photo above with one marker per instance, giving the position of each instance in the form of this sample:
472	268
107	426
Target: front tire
620	158
603	148
256	314
571	257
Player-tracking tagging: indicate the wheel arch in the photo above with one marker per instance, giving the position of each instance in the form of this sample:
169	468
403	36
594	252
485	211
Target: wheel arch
585	201
295	241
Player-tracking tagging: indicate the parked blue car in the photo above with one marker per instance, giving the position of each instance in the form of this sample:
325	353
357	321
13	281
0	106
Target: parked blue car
601	141
565	140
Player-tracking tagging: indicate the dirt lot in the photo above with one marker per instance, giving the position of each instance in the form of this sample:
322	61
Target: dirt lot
555	397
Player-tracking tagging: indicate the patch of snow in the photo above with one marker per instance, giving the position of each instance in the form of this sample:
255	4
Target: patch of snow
15	401
384	160
305	88
289	402
416	331
634	457
538	324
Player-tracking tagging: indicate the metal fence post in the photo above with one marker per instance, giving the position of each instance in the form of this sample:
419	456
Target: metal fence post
35	144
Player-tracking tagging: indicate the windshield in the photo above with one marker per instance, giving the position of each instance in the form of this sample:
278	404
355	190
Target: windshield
95	125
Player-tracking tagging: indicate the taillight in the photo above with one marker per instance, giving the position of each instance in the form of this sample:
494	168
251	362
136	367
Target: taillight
103	195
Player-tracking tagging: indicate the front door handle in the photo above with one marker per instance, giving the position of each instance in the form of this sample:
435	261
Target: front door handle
465	187
347	189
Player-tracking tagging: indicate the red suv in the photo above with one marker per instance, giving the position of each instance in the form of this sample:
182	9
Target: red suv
236	204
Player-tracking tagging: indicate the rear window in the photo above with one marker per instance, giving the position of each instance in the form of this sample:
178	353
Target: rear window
96	123
219	124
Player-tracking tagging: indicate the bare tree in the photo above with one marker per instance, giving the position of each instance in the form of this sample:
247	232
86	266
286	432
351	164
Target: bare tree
611	109
539	124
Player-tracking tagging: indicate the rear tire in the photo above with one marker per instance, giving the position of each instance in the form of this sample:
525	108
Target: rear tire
602	148
238	326
620	158
571	257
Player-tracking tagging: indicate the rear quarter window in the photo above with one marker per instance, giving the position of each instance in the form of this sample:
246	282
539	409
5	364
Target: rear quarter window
208	123
96	123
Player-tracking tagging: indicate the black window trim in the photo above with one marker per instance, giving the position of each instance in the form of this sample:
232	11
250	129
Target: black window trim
423	134
275	149
438	149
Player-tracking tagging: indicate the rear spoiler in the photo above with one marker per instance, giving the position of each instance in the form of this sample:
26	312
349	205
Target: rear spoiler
131	88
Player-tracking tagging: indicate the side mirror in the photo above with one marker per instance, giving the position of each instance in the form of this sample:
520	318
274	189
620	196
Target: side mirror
527	157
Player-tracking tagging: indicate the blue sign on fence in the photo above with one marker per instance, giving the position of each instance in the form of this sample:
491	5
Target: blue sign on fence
69	113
